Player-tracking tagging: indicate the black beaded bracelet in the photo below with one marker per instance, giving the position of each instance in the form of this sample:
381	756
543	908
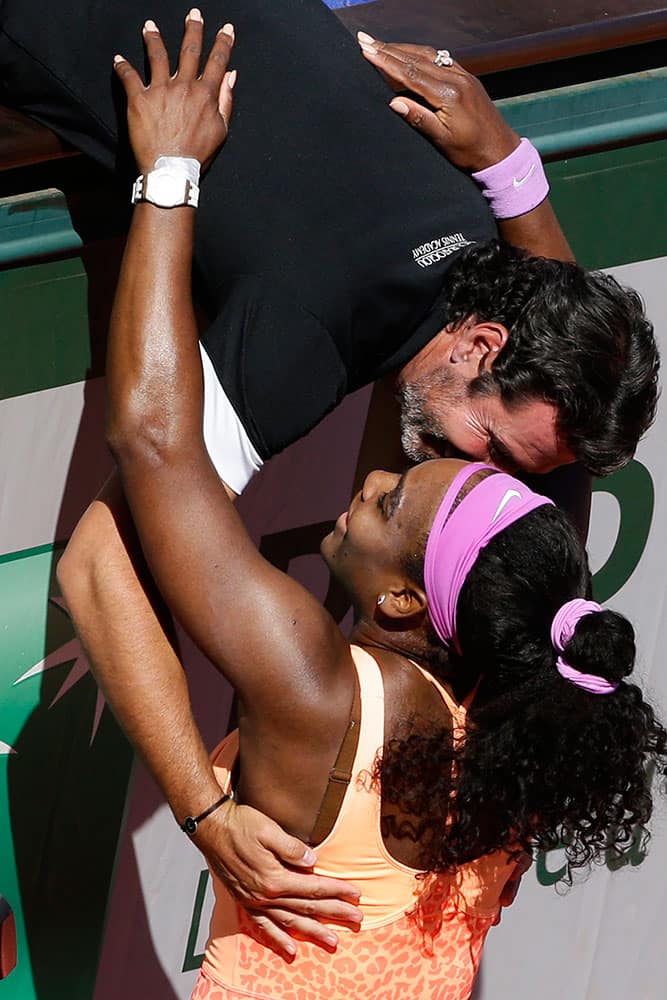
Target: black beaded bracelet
191	823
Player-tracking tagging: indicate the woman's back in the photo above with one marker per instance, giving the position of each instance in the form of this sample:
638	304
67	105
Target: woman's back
419	936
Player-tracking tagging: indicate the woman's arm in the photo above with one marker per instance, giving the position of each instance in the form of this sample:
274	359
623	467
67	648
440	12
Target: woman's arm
150	423
467	127
249	618
470	131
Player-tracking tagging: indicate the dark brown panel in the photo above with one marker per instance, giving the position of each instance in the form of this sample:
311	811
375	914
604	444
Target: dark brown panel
488	36
23	141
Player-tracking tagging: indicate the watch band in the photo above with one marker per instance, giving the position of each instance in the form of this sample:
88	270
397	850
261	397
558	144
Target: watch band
190	198
190	823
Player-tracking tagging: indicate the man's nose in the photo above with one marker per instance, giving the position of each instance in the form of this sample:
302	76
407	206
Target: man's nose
452	452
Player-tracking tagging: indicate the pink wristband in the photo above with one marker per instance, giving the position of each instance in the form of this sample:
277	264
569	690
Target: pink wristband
516	185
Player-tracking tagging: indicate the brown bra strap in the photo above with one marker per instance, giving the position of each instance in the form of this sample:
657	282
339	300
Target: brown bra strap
339	775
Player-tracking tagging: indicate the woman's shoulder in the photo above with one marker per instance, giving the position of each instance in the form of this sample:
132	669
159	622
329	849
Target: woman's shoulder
410	695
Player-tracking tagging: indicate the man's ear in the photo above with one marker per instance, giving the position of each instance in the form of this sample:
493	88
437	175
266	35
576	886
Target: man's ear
401	607
477	345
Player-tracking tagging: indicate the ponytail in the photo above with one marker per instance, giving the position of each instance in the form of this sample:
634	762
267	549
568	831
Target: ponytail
602	645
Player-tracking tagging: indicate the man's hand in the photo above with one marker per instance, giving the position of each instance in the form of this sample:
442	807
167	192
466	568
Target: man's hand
186	114
255	859
465	124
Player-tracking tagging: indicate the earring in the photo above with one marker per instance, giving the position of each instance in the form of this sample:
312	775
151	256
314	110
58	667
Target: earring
381	599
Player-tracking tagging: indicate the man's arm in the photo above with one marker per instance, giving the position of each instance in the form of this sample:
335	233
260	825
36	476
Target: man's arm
467	127
123	625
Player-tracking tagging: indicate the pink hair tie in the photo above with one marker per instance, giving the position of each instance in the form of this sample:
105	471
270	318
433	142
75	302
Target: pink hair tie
562	629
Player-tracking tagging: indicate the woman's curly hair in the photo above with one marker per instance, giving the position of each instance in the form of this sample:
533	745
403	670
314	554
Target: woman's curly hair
543	763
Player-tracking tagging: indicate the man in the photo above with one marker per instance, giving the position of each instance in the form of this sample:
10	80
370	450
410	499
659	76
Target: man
326	237
325	240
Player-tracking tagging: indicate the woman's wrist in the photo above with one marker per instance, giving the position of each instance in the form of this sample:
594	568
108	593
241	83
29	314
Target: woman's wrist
489	154
170	182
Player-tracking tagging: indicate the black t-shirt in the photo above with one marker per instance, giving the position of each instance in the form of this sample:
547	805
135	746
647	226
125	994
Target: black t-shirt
326	224
325	227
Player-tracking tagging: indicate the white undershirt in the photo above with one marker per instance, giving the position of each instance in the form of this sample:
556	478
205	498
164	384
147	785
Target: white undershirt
230	449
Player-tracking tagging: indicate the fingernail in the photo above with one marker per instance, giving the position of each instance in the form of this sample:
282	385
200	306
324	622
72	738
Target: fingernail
118	59
195	14
367	48
231	79
228	29
290	949
399	106
363	37
150	26
309	857
331	940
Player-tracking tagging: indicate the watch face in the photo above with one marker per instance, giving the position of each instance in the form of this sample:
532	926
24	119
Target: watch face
164	189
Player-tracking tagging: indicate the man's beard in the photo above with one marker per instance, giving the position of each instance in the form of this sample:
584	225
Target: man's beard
422	431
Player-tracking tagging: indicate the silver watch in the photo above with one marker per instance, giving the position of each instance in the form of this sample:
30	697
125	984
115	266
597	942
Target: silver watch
165	188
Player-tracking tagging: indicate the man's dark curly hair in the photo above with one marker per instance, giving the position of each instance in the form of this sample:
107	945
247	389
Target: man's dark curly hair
577	339
543	762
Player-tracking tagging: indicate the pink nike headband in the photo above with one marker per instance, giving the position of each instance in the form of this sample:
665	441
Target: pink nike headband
456	538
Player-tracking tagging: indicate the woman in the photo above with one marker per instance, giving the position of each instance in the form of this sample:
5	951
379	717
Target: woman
548	744
496	689
294	245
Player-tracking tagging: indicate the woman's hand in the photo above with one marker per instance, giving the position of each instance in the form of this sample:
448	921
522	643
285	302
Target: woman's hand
465	124
186	114
255	858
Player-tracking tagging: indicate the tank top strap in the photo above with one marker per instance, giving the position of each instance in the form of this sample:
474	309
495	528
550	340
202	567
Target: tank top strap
371	687
369	674
354	811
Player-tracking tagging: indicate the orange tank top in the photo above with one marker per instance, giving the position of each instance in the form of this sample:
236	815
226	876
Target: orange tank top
420	937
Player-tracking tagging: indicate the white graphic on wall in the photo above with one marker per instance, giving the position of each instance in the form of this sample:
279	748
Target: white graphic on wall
72	650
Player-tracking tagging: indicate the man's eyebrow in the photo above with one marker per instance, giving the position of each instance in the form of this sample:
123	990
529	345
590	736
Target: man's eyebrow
501	453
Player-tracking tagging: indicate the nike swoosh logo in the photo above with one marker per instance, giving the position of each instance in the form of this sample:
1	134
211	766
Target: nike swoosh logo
503	503
520	182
